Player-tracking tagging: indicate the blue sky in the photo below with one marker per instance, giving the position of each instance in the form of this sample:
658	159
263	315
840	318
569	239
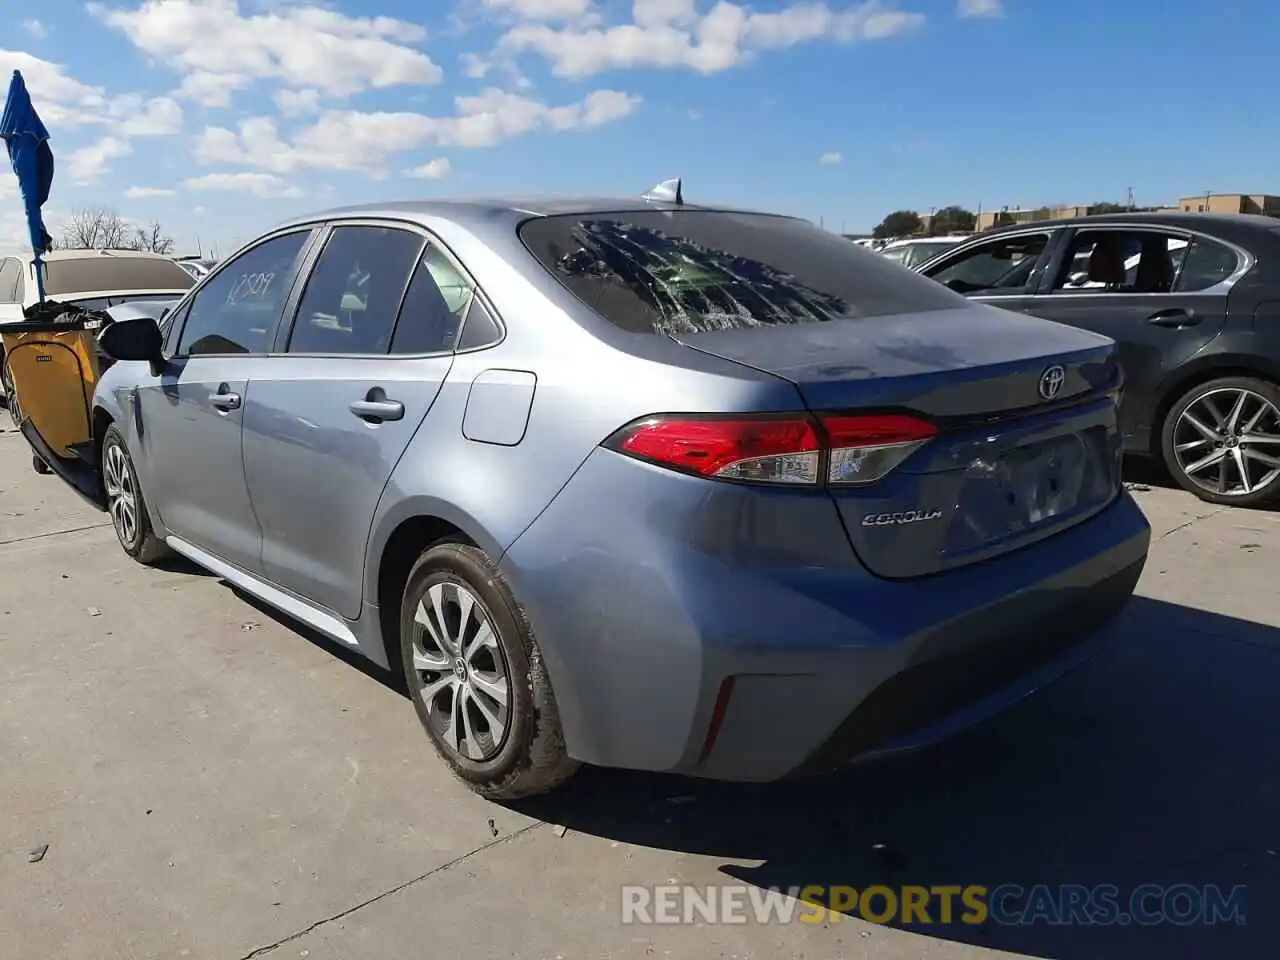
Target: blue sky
219	117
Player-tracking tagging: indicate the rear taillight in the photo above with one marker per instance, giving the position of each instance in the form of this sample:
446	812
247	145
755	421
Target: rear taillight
760	449
800	449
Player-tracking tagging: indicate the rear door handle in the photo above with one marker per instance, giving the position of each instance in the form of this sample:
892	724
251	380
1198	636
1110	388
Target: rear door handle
376	411
1178	317
225	401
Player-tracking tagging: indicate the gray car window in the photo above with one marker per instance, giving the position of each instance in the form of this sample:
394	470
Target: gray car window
691	271
480	328
434	306
353	295
237	309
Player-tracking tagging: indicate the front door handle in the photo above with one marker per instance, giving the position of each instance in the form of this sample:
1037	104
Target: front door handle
377	410
225	400
1178	317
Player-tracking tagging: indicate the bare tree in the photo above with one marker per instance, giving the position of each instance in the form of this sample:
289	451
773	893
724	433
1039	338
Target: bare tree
101	228
95	228
152	239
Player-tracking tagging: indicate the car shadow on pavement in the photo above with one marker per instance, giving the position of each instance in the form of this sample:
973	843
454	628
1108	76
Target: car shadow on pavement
1154	764
392	680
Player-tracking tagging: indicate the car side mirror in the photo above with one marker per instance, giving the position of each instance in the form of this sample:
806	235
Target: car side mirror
138	338
1078	279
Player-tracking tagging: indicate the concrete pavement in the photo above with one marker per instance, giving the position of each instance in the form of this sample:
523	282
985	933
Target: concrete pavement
213	783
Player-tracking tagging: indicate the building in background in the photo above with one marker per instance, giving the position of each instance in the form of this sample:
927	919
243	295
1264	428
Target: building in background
1258	203
1265	204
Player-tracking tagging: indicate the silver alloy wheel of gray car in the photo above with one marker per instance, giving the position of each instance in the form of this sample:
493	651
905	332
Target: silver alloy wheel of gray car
461	672
122	497
1227	442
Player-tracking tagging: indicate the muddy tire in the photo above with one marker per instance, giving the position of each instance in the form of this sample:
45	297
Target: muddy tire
476	676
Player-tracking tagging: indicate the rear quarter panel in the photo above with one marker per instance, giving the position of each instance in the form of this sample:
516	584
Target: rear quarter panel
591	379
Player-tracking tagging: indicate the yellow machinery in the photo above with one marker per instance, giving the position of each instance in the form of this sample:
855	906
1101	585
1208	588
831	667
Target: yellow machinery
52	369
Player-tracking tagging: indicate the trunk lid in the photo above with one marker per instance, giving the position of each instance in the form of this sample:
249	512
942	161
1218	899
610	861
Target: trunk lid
1013	463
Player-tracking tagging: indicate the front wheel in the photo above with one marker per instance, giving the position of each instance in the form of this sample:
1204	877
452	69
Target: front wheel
476	676
1221	441
125	503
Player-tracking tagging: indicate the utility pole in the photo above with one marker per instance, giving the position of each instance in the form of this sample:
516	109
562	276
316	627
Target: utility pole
1131	199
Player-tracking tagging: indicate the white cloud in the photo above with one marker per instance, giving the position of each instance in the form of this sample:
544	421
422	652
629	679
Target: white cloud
980	8
88	164
37	29
350	140
220	50
212	89
295	103
63	101
263	185
436	169
831	157
49	82
671	34
542	9
134	117
144	193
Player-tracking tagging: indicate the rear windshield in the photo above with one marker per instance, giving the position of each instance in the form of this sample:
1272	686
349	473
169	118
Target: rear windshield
693	271
92	274
102	303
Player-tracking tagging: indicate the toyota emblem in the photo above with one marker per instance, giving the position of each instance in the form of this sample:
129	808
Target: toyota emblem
1051	381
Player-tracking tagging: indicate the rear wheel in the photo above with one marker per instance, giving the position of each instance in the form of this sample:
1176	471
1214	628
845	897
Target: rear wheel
1221	441
476	676
125	503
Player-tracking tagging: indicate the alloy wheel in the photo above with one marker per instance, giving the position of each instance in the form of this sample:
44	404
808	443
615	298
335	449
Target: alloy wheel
1227	442
461	672
122	495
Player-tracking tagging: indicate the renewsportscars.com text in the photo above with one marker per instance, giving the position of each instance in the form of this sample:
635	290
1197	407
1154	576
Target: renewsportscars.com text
1007	905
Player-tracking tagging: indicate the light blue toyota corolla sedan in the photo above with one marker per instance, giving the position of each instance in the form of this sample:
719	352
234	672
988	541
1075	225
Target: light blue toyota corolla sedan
631	482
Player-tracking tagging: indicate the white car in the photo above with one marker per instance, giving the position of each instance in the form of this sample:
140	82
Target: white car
93	279
916	250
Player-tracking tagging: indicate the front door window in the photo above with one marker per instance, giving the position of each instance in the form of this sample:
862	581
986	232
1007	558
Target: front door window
998	267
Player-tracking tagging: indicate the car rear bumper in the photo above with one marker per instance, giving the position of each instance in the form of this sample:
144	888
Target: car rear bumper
731	633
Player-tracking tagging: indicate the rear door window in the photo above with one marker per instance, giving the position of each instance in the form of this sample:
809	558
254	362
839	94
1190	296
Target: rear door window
354	293
686	272
1121	261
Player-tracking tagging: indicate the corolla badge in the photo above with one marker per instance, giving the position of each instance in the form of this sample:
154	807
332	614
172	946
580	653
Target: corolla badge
1051	381
904	516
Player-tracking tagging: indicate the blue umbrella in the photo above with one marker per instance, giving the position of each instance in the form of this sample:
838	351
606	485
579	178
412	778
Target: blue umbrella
28	143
